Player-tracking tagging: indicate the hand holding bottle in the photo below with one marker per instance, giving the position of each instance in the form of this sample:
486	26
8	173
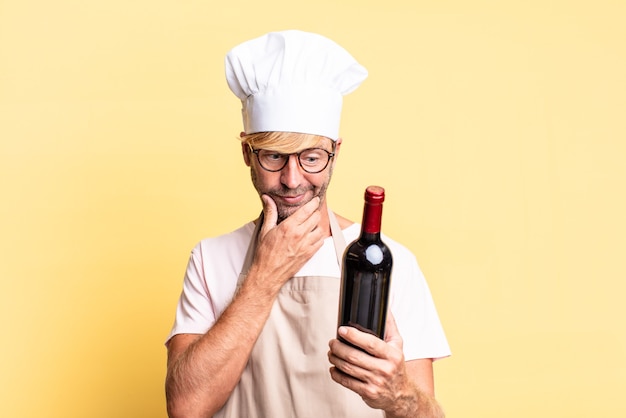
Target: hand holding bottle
376	370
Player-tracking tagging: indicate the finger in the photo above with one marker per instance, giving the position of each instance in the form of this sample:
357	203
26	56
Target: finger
345	380
368	342
392	335
349	365
303	214
270	213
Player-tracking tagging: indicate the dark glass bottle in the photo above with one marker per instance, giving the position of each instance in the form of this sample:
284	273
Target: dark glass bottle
366	272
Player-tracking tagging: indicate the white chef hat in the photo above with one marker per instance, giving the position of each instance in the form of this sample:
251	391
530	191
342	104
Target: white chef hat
292	81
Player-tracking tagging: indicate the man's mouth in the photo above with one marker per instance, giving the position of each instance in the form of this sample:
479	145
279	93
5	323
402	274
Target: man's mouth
290	199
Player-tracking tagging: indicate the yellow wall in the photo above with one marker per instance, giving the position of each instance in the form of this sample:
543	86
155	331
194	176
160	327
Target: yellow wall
497	127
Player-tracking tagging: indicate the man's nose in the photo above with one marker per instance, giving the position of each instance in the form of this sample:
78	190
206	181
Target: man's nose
291	174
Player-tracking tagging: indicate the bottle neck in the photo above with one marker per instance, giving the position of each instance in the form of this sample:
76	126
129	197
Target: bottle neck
372	217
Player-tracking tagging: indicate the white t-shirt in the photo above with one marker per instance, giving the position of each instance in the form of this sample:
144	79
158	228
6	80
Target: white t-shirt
215	264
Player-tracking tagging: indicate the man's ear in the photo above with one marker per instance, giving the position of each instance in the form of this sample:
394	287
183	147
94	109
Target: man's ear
245	150
337	146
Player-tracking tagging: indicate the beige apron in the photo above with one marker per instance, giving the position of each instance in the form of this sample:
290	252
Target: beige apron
287	374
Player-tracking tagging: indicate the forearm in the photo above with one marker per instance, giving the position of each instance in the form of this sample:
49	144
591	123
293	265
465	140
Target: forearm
415	403
203	373
202	376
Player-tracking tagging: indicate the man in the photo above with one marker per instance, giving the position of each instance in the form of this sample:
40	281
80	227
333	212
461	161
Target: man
257	319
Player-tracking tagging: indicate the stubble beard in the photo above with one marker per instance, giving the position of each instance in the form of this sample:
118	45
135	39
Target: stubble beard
284	211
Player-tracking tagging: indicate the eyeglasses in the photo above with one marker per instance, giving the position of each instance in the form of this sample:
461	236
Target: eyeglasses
312	160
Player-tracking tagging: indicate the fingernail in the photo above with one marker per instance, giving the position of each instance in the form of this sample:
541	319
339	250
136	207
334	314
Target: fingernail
342	331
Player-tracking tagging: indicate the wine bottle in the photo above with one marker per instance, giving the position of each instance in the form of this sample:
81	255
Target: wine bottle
366	272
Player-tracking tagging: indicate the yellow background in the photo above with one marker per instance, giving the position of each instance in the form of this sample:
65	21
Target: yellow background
497	128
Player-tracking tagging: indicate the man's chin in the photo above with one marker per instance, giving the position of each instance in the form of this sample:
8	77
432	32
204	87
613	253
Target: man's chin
286	211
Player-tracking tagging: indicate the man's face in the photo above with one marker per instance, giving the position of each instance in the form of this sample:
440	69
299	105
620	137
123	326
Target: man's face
291	187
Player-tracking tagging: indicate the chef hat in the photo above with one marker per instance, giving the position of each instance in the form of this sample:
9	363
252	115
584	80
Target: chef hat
292	81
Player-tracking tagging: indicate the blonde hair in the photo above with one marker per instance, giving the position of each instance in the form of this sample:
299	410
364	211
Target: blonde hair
283	142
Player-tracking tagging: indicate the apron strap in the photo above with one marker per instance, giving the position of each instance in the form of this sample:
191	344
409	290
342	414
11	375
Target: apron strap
338	239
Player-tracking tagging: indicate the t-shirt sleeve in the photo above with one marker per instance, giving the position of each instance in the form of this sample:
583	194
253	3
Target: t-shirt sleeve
194	313
416	316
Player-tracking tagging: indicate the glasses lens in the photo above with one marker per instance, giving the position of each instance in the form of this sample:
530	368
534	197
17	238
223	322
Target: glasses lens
313	160
271	160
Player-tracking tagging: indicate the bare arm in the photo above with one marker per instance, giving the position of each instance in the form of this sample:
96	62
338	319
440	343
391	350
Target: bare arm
383	379
202	370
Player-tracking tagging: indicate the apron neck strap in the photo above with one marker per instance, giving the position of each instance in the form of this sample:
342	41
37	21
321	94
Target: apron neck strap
338	238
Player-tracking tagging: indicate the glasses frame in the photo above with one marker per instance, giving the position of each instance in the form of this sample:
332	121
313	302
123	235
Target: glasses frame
330	156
